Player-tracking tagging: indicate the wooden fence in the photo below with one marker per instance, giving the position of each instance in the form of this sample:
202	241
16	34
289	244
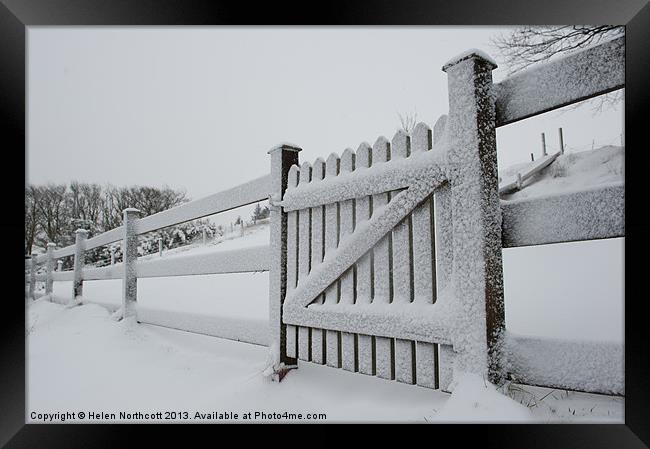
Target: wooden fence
236	261
387	261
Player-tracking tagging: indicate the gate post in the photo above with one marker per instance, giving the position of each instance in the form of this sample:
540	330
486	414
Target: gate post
282	158
79	248
49	268
130	257
477	260
32	277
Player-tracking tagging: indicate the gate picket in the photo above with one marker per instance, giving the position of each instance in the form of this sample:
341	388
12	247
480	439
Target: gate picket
364	267
304	241
331	242
404	354
381	266
317	253
347	279
424	270
443	256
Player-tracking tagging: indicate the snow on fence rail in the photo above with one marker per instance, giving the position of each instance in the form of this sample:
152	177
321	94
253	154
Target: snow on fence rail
596	213
561	82
387	261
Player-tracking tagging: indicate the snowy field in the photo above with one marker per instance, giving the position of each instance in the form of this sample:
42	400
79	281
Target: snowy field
80	359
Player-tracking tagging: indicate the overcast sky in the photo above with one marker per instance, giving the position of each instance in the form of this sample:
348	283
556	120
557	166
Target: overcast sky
198	108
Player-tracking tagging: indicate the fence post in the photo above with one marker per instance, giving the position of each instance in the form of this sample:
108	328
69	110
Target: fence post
112	255
32	277
160	246
282	158
49	267
79	248
59	265
130	257
477	259
204	236
559	131
543	145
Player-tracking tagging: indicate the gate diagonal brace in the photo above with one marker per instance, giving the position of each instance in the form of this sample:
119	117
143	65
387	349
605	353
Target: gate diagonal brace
364	238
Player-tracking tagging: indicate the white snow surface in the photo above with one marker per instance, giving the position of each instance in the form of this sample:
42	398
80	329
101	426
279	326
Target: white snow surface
466	54
571	172
79	359
587	365
477	400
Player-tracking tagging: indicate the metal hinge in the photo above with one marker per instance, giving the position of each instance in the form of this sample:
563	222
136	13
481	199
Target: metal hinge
274	204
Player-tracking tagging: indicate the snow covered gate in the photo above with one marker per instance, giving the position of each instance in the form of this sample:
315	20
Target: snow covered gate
393	252
391	255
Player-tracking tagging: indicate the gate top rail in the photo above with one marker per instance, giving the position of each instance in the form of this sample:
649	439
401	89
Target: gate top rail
381	177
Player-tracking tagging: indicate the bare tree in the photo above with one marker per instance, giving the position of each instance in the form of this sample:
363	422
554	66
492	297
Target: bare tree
408	121
53	214
32	199
528	45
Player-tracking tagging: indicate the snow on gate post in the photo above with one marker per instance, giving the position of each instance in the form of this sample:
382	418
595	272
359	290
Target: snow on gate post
79	248
49	267
130	257
282	158
477	261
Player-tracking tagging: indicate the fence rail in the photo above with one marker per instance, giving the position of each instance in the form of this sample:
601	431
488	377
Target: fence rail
244	260
573	78
363	246
242	195
590	214
235	261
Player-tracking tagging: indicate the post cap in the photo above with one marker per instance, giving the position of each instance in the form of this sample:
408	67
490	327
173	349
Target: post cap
51	245
130	211
472	53
285	146
81	231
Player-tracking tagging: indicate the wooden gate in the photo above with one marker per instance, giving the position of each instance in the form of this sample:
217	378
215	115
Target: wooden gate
391	268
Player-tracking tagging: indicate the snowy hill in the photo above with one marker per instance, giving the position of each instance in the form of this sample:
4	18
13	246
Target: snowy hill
570	172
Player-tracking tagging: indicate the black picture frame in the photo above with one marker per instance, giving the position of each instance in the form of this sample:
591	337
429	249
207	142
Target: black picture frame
17	15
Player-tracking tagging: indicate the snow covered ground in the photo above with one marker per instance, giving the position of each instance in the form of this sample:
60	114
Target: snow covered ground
571	172
80	359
